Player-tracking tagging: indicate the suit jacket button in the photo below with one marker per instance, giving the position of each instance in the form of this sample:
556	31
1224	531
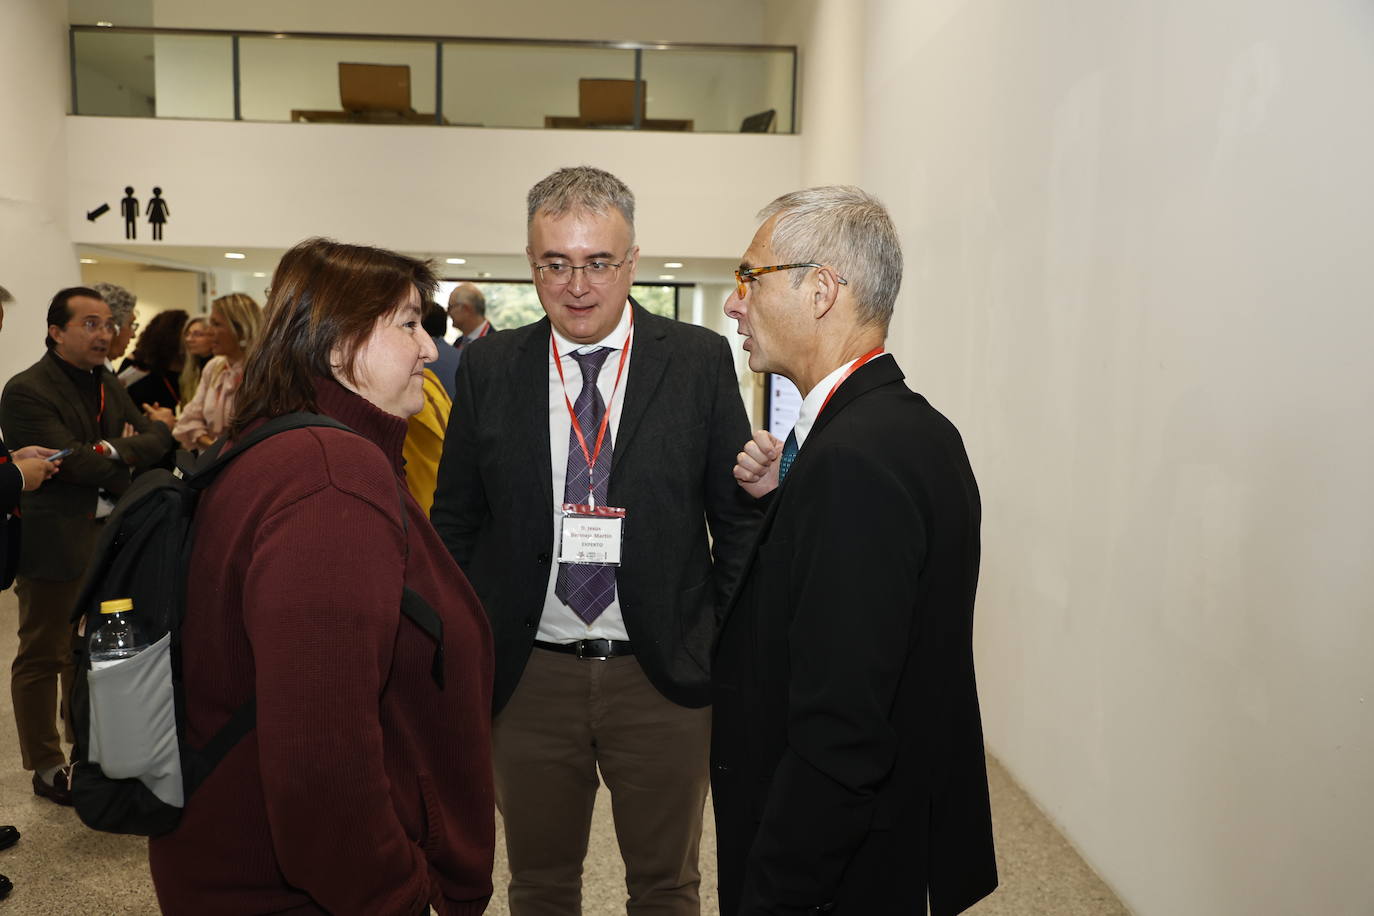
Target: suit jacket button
722	768
532	623
543	559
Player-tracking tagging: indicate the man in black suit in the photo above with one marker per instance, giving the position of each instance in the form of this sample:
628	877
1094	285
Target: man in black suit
68	399
445	365
847	755
603	406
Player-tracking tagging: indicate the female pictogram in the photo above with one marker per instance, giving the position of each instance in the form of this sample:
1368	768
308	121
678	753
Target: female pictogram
158	211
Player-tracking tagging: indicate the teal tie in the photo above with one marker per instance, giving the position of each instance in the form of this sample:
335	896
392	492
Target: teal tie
789	455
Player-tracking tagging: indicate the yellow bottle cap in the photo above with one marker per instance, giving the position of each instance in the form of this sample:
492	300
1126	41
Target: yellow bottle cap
115	605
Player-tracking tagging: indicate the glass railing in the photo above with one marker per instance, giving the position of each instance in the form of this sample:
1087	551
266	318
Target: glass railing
469	82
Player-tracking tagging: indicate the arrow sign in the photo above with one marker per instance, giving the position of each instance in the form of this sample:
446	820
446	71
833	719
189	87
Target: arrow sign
98	212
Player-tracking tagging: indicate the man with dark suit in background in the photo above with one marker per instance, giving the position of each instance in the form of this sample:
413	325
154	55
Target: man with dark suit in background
585	458
848	774
467	309
68	399
445	365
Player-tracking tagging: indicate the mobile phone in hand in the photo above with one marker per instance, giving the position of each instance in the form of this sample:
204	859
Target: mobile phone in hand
62	454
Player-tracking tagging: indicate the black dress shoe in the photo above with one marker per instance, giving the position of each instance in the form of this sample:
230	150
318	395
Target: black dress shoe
5	887
57	792
8	837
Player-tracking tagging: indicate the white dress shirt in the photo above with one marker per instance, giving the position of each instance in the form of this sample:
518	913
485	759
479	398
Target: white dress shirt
559	623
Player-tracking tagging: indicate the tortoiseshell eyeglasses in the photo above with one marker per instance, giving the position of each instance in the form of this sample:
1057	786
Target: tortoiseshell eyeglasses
746	276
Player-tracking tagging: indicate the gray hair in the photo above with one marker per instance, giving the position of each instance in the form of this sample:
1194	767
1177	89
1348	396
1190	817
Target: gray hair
120	300
845	228
581	189
468	294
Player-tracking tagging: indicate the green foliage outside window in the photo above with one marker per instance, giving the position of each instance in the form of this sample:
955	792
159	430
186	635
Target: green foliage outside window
513	305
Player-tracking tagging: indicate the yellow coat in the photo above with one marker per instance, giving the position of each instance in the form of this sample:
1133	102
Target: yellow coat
424	444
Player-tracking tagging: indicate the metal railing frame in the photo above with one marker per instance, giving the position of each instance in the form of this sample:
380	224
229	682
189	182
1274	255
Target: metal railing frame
638	47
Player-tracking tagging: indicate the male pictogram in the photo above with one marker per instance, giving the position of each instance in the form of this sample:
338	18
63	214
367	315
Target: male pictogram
129	207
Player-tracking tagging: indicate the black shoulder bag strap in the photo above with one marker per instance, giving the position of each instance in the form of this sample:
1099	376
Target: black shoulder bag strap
416	608
200	764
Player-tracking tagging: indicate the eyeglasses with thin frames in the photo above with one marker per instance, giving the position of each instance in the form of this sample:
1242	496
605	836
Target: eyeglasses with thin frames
93	324
558	274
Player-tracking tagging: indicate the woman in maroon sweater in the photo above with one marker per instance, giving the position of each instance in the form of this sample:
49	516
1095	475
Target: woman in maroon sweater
366	786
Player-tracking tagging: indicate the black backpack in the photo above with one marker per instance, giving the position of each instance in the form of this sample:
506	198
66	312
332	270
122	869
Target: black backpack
132	768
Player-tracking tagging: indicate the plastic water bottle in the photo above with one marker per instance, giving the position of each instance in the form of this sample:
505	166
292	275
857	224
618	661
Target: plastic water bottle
118	635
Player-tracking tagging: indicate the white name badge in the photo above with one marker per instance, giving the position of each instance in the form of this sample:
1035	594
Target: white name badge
591	536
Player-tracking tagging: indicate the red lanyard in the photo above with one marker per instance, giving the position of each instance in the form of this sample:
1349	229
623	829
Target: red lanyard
876	351
486	329
100	414
590	455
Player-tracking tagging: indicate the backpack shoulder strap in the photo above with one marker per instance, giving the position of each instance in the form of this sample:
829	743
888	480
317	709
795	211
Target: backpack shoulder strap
197	765
419	612
215	458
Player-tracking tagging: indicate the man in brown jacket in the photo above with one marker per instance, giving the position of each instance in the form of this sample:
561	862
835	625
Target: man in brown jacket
67	400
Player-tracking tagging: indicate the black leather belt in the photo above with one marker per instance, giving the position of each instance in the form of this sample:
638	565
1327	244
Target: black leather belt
592	649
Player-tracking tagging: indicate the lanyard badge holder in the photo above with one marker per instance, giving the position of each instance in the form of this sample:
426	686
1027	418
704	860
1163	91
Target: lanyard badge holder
592	535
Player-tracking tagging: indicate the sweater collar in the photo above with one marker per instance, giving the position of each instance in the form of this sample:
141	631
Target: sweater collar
363	417
86	377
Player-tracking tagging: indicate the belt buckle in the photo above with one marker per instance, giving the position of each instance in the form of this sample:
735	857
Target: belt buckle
581	646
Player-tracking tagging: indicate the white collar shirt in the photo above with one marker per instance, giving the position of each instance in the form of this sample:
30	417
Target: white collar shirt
559	623
479	331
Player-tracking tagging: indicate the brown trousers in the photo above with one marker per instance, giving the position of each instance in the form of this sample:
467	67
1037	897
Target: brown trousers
43	661
568	718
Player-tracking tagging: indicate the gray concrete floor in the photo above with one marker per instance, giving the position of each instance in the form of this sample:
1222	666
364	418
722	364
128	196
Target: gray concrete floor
60	867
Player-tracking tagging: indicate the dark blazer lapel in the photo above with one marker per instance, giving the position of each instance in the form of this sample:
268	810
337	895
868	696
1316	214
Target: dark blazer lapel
881	370
531	379
649	357
69	401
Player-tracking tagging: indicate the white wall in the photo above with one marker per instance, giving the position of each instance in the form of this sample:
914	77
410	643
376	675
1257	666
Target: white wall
830	37
419	188
36	255
1138	279
157	289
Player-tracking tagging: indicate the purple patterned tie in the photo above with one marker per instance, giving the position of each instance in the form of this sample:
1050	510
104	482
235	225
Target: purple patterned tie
588	590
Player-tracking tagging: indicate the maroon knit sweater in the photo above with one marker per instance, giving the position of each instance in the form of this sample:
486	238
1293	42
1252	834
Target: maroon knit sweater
365	788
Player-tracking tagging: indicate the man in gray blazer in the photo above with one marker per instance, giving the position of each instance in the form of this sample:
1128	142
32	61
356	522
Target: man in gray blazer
586	456
67	400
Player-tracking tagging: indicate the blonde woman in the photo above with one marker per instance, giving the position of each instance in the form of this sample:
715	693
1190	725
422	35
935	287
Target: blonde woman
196	345
234	323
